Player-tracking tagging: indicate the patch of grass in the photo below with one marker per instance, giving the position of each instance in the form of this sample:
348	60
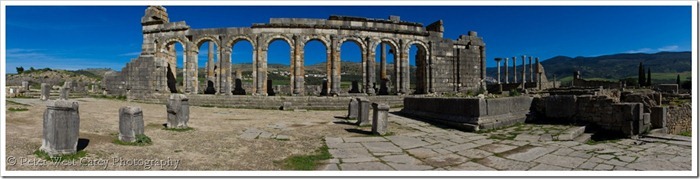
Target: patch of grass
59	158
141	140
686	133
15	103
306	162
17	109
179	129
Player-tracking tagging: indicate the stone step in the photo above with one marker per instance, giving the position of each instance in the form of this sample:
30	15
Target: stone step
583	138
571	133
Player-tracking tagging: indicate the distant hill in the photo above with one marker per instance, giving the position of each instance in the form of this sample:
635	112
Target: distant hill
664	66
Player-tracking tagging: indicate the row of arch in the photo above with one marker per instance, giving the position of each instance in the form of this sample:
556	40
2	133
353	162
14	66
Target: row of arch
222	82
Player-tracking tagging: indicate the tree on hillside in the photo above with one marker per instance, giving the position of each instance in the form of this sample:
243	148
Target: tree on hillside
648	76
678	79
641	75
20	70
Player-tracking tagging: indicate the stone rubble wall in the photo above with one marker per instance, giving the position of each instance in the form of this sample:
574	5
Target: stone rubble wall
596	83
600	110
273	102
679	119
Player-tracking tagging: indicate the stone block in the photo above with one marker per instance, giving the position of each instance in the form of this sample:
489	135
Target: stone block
628	115
25	85
130	123
560	106
45	91
658	117
61	128
178	108
363	112
65	92
669	88
353	108
287	106
380	118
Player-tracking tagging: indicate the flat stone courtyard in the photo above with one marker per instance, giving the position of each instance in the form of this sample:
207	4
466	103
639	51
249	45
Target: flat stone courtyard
250	139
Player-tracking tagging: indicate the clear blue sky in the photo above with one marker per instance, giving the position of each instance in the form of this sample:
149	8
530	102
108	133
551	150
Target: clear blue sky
110	36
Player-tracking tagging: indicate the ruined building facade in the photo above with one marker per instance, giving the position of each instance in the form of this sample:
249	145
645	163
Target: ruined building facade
443	65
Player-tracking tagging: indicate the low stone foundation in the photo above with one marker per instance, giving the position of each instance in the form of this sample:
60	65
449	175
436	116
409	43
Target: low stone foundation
471	114
273	102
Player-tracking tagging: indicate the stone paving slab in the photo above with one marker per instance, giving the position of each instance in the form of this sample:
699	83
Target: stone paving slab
382	147
421	146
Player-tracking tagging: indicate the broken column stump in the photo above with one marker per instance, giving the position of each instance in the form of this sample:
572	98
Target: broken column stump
363	112
178	107
352	109
380	119
61	127
64	93
130	123
45	91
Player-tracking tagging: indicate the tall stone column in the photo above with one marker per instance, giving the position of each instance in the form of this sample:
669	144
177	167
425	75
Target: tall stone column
262	70
191	81
225	72
329	69
396	79
371	72
382	68
405	77
335	64
210	62
298	67
506	68
515	70
539	73
498	70
531	72
522	74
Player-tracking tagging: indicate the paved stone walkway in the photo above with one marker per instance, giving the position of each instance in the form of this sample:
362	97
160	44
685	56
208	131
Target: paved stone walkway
521	147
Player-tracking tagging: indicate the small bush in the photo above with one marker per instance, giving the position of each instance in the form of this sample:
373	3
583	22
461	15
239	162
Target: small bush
514	92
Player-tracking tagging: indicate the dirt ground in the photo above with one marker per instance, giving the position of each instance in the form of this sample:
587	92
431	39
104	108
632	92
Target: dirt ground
214	144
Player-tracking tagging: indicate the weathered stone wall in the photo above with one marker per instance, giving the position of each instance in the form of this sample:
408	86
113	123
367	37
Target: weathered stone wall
603	111
273	102
479	112
679	119
113	83
595	83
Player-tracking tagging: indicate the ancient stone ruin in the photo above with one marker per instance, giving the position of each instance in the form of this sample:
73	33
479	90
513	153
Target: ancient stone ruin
363	112
130	123
178	108
61	127
45	91
443	65
380	121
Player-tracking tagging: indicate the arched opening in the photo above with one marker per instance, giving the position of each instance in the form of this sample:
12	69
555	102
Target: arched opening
207	72
418	72
315	60
279	72
385	69
351	67
175	75
242	67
